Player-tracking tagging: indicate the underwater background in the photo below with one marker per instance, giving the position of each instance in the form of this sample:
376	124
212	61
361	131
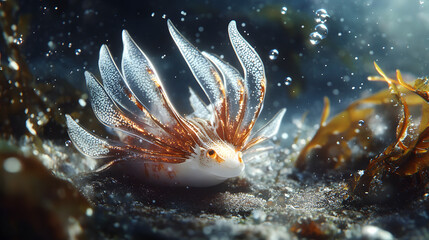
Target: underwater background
48	45
68	35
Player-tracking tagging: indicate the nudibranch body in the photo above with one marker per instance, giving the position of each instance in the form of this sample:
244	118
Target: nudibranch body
202	149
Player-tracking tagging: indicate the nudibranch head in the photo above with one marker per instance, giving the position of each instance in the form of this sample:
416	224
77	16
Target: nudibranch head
202	149
221	159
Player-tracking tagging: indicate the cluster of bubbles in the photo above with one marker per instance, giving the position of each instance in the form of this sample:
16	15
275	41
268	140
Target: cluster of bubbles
320	30
273	54
287	81
19	40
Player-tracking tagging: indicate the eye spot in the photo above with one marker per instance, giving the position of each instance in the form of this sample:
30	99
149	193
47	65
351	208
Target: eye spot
211	153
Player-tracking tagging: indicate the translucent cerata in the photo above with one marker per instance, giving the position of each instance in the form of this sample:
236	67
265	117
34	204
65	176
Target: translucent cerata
202	149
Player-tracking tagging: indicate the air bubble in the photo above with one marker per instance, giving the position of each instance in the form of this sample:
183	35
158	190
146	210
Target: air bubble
361	122
285	135
322	30
284	10
12	165
288	81
12	64
274	54
82	102
89	212
51	45
321	16
315	38
78	52
68	143
18	41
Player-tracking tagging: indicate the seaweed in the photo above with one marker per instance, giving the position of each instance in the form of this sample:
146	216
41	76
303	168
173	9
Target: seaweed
406	159
331	146
330	141
401	167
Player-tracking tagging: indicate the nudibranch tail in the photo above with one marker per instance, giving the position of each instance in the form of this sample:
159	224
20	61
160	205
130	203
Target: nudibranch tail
201	149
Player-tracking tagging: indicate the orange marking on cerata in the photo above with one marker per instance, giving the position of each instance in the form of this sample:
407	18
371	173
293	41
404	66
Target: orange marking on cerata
149	70
134	100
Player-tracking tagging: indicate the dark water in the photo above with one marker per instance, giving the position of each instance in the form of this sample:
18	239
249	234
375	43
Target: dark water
393	33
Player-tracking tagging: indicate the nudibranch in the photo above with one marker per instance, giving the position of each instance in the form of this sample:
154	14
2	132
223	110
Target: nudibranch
202	149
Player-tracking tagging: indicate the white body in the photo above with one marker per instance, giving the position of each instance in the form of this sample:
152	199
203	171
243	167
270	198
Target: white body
183	174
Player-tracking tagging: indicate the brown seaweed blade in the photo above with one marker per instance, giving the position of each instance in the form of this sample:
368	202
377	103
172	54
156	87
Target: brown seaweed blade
340	129
331	141
408	154
404	123
417	158
418	86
